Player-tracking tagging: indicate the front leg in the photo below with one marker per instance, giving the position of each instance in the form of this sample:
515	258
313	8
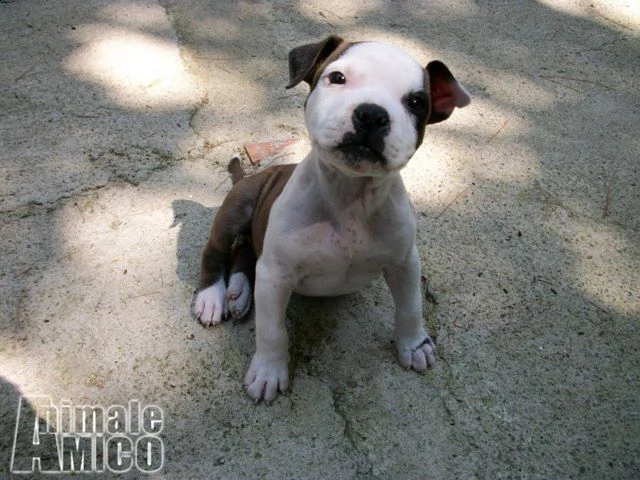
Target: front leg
415	348
269	369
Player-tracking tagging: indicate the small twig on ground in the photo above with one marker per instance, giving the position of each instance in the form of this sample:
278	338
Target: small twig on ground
464	328
565	85
144	294
16	324
594	304
204	57
128	174
67	255
220	184
606	209
81	211
29	70
455	199
222	142
542	280
290	96
261	77
498	131
552	200
24	272
278	157
574	79
620	24
331	12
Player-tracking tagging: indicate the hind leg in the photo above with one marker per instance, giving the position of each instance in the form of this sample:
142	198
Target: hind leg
239	291
211	302
231	222
225	255
216	301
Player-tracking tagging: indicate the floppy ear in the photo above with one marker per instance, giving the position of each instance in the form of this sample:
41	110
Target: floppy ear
305	60
446	93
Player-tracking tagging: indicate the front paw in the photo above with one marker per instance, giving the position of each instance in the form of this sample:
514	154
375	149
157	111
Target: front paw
417	355
211	304
265	378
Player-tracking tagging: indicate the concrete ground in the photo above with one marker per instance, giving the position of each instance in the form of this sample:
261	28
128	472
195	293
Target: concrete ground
117	119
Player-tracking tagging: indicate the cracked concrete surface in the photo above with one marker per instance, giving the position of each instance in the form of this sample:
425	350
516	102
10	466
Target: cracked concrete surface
117	121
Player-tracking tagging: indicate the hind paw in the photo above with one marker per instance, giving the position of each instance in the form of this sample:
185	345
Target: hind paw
211	304
239	295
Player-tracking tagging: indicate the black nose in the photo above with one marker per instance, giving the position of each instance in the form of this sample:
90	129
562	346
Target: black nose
371	118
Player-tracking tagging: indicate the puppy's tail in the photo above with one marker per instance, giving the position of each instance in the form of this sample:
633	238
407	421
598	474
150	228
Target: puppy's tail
235	169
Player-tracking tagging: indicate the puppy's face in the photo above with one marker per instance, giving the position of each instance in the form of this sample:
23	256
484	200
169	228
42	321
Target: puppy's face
368	108
370	102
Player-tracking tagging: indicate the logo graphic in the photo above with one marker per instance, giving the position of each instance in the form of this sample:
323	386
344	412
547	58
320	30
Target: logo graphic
86	438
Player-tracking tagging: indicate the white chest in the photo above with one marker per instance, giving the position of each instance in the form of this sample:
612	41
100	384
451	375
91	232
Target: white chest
341	259
331	234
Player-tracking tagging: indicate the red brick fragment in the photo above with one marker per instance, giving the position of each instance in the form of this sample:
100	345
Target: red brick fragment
267	150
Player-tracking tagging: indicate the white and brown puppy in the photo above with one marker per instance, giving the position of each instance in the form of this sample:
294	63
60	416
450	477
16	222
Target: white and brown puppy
342	216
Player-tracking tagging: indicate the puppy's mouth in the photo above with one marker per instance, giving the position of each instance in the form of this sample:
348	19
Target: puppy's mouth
355	152
359	153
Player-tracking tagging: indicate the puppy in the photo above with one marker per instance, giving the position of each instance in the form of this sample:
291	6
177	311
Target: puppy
342	216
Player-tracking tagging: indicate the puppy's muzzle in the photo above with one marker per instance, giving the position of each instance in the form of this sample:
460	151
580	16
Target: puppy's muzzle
371	125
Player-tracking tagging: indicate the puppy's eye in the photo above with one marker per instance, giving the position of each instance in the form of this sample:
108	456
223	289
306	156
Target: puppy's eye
337	78
416	103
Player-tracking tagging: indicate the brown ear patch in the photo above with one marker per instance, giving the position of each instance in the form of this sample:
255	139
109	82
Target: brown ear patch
445	91
304	61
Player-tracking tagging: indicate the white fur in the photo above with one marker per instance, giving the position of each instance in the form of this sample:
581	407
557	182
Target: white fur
335	227
211	304
238	295
375	73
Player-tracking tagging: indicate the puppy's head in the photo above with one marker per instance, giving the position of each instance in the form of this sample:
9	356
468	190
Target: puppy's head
370	102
